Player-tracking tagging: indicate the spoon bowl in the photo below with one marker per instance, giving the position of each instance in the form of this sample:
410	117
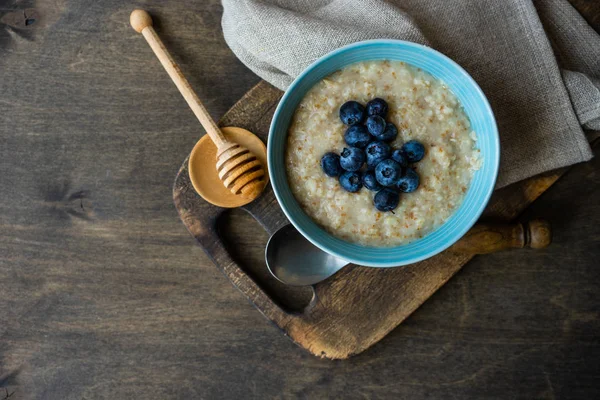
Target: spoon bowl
295	261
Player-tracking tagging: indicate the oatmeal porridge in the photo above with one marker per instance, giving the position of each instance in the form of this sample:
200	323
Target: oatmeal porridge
423	109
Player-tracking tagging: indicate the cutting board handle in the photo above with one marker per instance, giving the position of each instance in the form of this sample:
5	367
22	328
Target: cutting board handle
486	238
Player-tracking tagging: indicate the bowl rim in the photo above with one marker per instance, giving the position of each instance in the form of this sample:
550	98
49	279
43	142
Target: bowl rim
474	216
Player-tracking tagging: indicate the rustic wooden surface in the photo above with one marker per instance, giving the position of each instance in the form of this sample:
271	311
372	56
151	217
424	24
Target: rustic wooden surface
103	293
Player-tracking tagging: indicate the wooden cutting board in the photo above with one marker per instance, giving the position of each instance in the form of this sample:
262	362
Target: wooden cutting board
358	306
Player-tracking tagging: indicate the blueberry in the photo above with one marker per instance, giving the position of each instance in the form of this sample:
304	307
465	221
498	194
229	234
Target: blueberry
377	107
357	136
386	200
389	133
352	112
377	152
352	158
414	151
399	156
409	182
330	163
370	182
351	181
375	125
388	172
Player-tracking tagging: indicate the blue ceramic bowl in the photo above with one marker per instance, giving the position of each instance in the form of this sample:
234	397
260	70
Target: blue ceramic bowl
475	105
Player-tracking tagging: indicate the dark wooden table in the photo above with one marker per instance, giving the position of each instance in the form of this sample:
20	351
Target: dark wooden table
103	293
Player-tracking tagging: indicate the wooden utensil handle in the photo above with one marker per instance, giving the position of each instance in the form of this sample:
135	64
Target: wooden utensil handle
141	21
488	238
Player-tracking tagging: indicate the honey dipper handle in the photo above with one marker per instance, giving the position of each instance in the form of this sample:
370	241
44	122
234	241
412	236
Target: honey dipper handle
141	21
489	238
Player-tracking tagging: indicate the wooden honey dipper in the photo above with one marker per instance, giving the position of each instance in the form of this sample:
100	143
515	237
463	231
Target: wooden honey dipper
240	170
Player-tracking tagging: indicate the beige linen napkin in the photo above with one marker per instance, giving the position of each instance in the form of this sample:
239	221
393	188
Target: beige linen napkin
538	62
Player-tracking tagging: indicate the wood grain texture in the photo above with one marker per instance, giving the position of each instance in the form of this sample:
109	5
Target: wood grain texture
103	294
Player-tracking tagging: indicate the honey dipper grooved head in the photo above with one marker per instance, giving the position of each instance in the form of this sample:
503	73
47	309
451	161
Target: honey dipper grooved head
204	166
240	171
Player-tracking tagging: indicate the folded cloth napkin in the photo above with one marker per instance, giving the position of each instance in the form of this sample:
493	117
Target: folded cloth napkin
538	62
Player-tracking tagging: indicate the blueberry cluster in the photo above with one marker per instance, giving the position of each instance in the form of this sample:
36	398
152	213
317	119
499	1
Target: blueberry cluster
387	170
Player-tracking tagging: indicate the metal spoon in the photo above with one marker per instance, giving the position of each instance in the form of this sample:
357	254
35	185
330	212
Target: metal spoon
295	261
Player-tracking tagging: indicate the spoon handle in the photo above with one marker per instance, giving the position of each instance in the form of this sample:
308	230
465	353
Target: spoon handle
141	21
488	238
